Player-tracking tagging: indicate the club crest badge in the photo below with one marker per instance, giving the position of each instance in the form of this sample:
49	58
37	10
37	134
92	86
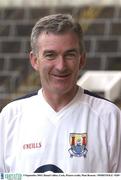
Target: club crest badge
78	144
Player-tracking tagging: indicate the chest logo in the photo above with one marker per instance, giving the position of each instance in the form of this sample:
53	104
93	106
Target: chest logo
78	142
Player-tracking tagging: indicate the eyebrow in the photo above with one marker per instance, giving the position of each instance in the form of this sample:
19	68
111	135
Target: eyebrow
72	50
67	51
48	51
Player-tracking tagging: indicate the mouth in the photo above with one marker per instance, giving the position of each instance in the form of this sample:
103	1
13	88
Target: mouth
61	76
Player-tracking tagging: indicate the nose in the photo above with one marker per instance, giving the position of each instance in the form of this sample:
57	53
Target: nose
61	63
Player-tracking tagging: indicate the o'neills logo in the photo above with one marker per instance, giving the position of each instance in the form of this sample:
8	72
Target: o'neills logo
32	146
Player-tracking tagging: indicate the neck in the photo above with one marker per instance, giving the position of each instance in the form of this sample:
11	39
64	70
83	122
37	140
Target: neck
58	101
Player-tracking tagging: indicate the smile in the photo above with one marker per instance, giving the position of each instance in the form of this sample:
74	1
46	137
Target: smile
61	76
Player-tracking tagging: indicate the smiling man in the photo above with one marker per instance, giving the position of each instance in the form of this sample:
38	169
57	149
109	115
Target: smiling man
58	61
62	128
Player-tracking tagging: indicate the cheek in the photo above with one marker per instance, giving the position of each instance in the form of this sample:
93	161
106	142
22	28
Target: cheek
44	70
76	71
76	67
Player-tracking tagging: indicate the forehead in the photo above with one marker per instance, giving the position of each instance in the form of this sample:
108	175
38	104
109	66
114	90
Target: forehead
52	41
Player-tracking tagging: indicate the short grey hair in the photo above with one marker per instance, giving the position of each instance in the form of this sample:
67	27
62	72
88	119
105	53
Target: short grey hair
56	24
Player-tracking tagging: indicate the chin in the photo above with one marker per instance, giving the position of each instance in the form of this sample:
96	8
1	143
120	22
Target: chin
62	90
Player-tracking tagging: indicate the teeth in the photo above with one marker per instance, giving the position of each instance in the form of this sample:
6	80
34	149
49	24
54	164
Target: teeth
64	75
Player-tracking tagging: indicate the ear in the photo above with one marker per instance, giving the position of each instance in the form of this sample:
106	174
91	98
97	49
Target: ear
82	60
33	60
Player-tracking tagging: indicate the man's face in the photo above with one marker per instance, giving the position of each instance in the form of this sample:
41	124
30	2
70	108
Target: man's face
58	62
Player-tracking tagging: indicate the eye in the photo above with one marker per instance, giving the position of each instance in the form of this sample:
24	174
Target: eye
70	55
50	56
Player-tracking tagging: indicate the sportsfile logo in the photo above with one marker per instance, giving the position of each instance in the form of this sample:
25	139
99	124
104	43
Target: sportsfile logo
9	176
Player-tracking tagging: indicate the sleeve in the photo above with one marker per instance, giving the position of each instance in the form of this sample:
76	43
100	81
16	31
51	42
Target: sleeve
114	133
2	138
5	116
7	121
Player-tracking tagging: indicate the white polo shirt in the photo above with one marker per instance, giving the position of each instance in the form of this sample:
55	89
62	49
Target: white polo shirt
83	137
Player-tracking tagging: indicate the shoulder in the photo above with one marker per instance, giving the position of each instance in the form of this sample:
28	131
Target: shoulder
99	105
101	111
17	105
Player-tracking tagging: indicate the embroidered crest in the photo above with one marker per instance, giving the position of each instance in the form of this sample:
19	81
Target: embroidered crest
78	144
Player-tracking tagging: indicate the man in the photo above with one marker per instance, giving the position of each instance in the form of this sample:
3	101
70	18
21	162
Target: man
62	127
